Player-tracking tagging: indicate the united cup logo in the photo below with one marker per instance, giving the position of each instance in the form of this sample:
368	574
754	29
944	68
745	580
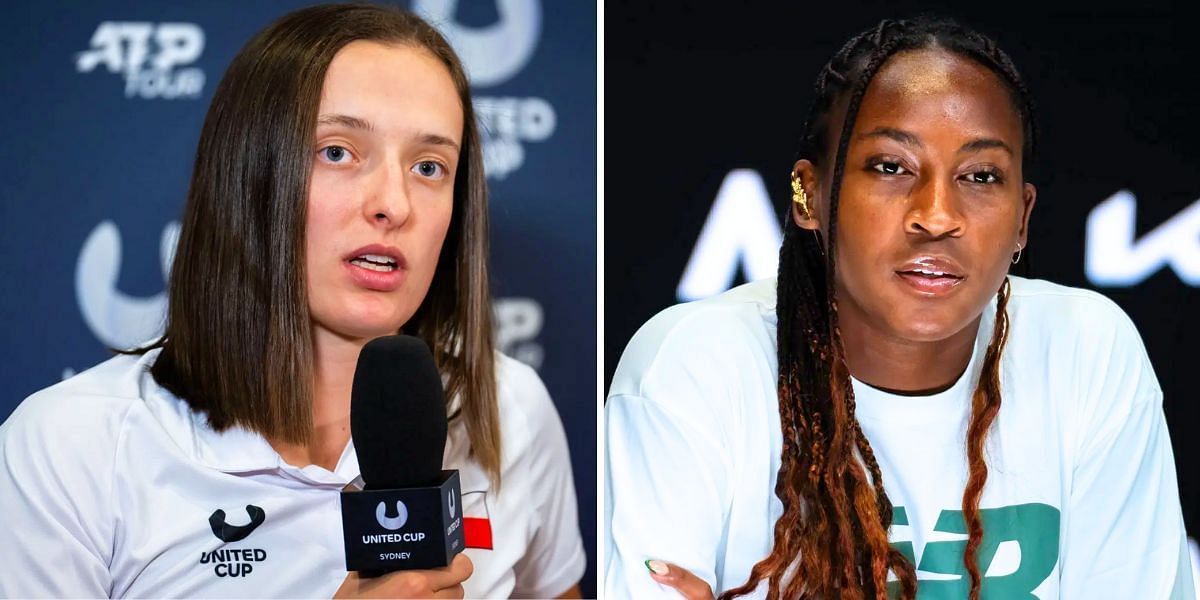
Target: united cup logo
391	523
450	501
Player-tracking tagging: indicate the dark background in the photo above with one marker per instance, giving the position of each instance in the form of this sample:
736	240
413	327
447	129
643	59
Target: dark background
79	152
695	92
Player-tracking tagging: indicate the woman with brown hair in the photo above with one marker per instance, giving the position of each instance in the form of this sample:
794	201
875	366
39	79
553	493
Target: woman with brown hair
338	195
895	415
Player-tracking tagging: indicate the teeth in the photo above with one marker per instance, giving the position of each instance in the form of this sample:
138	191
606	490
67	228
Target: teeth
929	273
377	258
360	262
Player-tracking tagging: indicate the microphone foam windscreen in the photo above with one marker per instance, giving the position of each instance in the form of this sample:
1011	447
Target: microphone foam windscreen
398	413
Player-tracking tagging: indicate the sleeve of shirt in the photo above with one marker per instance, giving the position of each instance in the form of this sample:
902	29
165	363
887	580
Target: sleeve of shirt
1125	537
663	498
554	560
54	486
667	466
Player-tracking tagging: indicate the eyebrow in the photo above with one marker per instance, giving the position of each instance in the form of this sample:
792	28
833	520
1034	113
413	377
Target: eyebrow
984	144
892	133
365	125
439	140
909	139
347	121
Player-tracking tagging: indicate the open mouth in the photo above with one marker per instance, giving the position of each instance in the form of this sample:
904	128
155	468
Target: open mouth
375	262
930	274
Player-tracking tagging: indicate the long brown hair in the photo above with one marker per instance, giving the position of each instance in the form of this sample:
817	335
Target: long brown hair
832	539
237	345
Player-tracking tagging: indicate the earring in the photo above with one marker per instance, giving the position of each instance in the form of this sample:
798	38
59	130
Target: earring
800	197
1017	259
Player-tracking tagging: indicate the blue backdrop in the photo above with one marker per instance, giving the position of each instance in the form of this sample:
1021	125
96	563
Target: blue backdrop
102	110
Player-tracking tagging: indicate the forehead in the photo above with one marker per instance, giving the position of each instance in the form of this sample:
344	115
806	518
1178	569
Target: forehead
394	86
937	91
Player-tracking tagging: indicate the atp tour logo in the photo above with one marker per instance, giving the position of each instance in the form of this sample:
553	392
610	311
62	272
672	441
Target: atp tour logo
391	523
493	55
148	56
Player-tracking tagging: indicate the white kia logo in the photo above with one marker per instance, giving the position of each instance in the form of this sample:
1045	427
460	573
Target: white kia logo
391	523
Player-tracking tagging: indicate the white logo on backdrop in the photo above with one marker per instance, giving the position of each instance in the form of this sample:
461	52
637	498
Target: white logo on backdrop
120	320
117	319
518	324
494	55
148	56
741	229
1114	258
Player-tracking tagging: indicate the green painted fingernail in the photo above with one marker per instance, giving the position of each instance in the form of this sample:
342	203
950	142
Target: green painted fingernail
657	567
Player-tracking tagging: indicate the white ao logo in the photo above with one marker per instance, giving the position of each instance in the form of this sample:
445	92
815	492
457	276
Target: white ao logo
391	523
741	229
494	55
147	54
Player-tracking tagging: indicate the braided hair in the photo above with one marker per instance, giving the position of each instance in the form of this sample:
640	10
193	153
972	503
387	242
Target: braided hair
831	540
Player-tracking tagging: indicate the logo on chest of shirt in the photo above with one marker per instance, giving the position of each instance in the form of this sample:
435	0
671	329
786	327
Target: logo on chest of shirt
234	562
1018	552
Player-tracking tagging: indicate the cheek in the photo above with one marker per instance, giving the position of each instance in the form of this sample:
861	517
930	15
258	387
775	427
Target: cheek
435	224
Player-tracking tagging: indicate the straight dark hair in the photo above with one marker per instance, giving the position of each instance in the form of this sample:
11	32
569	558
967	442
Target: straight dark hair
237	345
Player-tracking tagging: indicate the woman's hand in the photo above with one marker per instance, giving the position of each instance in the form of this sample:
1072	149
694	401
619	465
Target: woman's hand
688	585
445	582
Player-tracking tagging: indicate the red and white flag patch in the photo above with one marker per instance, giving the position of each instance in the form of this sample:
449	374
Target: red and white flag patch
477	524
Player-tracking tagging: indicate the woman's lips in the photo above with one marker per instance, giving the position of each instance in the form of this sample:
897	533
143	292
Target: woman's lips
929	285
380	281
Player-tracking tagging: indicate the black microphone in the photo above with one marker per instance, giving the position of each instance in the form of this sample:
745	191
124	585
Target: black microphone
408	515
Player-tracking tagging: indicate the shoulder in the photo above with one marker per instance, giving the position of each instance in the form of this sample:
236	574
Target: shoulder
1066	310
1075	324
85	410
520	393
1085	352
60	446
708	338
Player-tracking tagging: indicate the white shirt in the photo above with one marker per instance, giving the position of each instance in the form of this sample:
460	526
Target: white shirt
1081	487
108	483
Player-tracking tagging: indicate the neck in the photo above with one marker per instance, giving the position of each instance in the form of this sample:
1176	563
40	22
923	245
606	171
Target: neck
334	361
905	366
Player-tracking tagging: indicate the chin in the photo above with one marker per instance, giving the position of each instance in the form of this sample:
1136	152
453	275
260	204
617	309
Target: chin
368	324
926	328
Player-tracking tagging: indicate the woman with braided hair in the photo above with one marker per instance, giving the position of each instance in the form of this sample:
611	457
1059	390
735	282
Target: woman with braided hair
895	415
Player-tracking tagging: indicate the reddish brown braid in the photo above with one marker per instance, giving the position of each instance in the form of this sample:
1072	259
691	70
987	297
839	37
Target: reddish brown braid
831	540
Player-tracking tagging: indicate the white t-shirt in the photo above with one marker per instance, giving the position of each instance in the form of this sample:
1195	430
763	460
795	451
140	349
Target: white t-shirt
108	483
1081	493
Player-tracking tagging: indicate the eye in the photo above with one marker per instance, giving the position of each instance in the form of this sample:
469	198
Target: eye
888	167
337	155
429	168
984	177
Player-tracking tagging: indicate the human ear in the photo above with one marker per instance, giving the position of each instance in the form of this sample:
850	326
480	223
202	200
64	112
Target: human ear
806	215
1028	198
